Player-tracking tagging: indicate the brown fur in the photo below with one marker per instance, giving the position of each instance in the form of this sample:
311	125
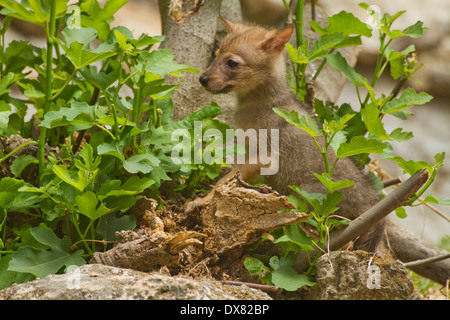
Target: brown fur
258	76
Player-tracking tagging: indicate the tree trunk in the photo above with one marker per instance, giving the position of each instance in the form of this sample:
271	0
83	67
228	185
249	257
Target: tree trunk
190	31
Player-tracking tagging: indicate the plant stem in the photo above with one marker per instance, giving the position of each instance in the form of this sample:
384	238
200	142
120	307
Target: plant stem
65	84
425	187
299	22
377	73
316	74
17	149
49	84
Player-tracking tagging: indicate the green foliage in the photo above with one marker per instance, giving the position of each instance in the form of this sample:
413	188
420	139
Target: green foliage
84	190
349	133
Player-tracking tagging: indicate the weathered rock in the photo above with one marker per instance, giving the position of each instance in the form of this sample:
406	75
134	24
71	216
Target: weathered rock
99	282
358	275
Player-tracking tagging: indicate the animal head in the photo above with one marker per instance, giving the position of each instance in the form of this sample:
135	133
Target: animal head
248	56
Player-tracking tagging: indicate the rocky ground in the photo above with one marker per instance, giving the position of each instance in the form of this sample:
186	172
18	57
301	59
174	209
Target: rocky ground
430	124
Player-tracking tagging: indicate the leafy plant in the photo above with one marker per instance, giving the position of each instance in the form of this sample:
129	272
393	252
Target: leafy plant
348	132
106	126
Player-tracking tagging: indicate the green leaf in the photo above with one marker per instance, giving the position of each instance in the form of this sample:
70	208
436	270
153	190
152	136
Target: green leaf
80	181
413	31
160	62
145	40
399	135
335	127
81	35
315	199
81	57
344	22
209	111
4	120
21	163
329	204
306	123
99	18
298	55
101	80
39	13
411	166
141	163
287	278
331	185
254	265
112	149
109	224
18	55
400	212
436	200
78	113
132	186
88	206
42	262
295	239
338	62
360	145
6	82
321	47
122	41
89	163
408	98
8	278
370	114
438	160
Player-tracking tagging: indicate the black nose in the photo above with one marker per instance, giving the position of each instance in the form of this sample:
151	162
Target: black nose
203	80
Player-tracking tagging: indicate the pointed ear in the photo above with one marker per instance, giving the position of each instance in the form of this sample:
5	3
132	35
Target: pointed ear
228	25
279	39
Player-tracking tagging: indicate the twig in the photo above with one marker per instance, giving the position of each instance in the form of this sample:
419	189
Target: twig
392	182
364	222
426	261
81	133
69	233
313	10
397	88
262	287
435	210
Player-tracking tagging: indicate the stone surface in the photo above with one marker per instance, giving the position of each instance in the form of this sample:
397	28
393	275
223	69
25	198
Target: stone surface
358	275
99	282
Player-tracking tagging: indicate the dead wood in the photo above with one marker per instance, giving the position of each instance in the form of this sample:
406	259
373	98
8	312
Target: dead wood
237	216
234	219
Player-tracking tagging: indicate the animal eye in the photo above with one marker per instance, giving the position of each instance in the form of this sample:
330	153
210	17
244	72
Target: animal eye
232	64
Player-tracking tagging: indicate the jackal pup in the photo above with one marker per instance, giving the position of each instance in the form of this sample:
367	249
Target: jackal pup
250	62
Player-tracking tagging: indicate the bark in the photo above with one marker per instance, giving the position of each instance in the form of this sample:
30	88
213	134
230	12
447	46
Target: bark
190	32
